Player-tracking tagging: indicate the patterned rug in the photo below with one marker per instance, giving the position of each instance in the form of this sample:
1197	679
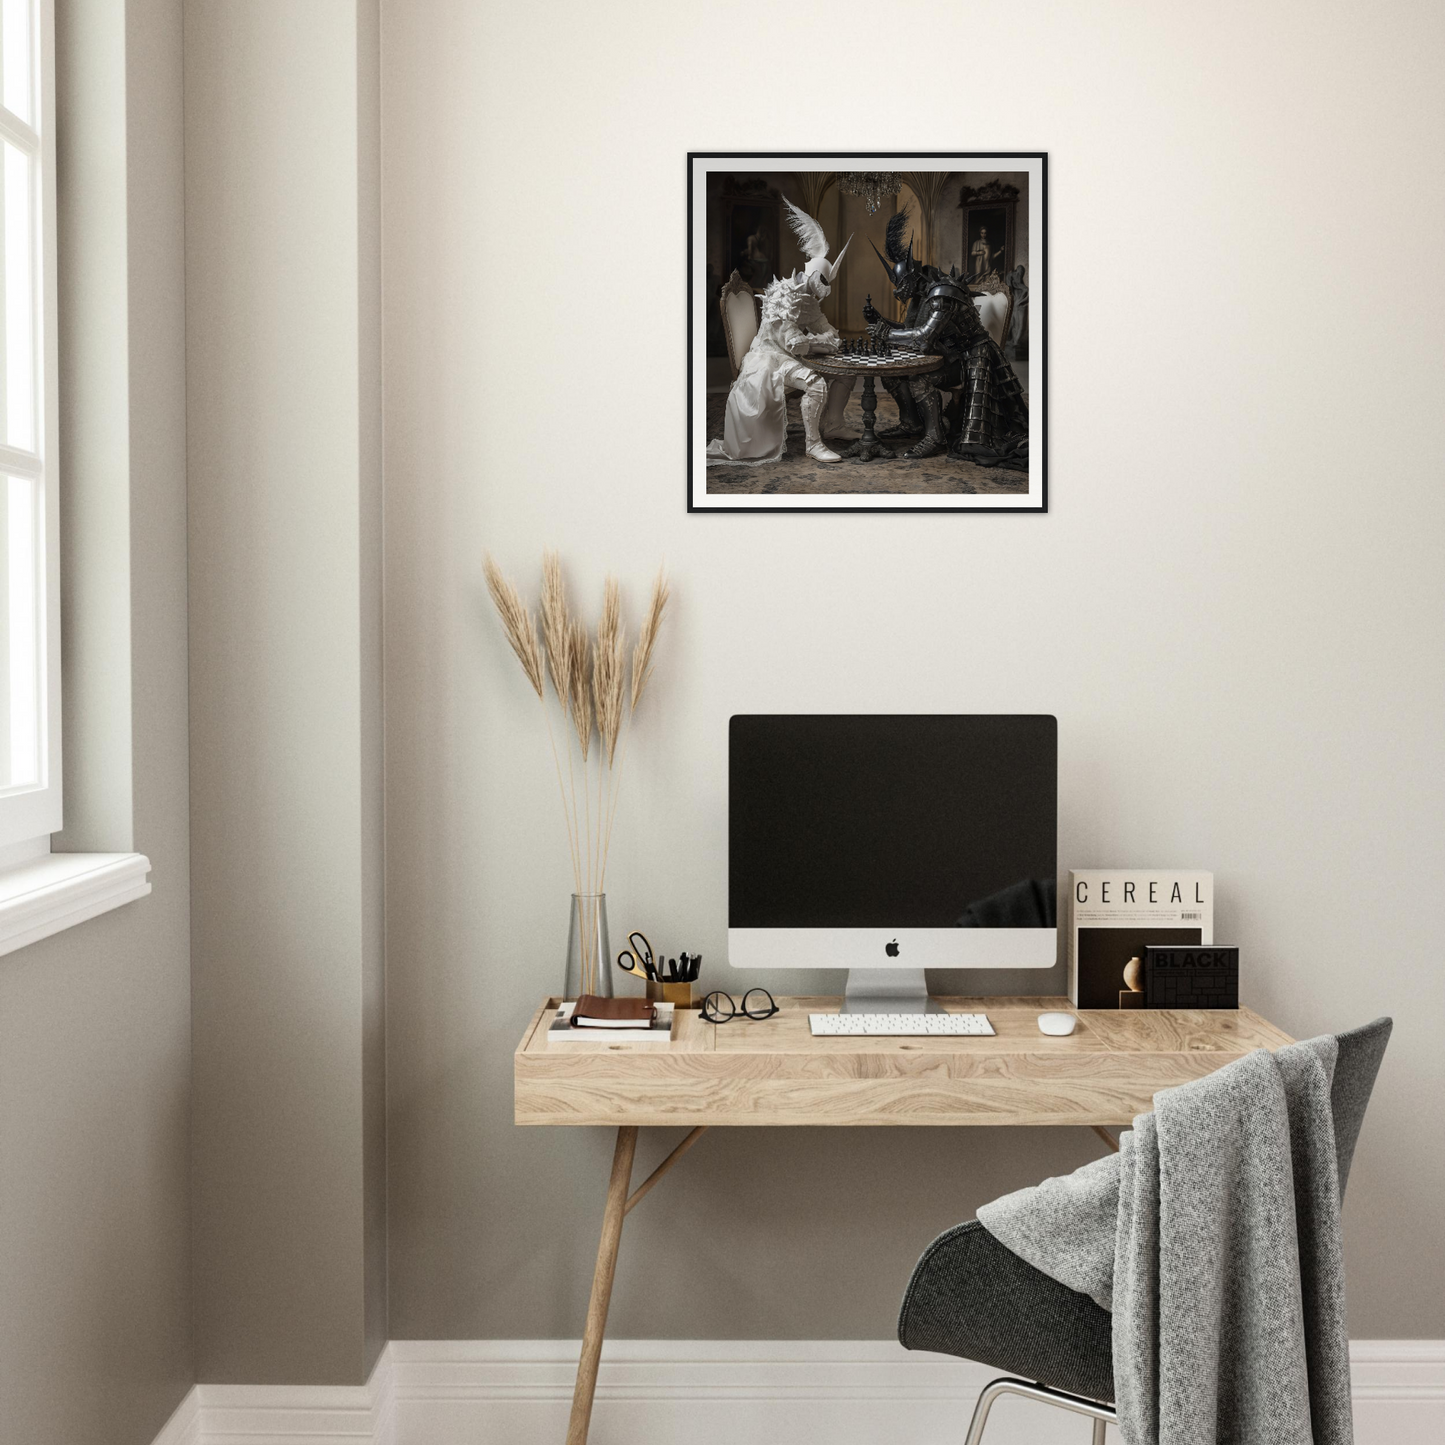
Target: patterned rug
798	472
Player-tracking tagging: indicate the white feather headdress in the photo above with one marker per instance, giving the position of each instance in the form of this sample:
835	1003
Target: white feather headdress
814	243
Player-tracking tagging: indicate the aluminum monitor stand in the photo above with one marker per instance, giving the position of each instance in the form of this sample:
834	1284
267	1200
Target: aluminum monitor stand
887	991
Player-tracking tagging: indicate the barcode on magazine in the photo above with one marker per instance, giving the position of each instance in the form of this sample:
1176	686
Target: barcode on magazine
1195	916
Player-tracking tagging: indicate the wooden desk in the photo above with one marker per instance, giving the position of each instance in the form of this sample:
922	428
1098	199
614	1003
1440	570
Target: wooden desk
773	1072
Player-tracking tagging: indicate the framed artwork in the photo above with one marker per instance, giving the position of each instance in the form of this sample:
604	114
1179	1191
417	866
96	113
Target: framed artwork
988	228
867	333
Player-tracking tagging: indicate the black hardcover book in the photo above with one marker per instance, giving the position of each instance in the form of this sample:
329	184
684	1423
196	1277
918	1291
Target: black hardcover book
1191	976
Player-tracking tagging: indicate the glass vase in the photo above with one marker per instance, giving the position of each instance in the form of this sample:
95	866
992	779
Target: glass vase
589	953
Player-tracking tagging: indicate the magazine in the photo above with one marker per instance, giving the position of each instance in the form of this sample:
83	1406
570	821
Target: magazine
1114	913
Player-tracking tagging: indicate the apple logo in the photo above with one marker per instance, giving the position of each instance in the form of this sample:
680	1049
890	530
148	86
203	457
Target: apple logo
891	949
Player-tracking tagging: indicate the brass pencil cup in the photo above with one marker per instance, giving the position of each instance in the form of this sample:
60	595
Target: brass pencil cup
679	994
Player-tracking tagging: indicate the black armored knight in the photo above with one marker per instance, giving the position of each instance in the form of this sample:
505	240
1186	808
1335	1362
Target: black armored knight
988	423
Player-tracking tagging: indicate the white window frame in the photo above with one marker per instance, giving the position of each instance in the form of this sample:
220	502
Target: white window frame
42	892
29	815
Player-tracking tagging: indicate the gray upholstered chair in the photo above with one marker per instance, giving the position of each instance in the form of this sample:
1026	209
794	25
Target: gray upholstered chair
972	1297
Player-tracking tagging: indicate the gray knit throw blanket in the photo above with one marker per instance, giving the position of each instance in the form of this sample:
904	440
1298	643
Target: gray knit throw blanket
1214	1237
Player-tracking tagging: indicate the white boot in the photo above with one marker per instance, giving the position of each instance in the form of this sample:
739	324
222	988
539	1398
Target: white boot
839	390
812	409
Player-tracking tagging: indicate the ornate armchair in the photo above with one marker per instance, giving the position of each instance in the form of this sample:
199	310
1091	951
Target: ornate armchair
995	304
741	315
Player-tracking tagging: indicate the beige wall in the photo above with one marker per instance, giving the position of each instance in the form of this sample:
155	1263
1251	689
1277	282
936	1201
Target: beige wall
282	326
1234	606
95	1340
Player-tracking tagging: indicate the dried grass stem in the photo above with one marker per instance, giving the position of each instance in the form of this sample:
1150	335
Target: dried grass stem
590	686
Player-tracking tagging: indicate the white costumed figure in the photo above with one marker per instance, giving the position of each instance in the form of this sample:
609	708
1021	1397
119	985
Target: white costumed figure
792	328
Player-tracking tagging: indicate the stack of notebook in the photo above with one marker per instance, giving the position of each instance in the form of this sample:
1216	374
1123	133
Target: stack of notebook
611	1021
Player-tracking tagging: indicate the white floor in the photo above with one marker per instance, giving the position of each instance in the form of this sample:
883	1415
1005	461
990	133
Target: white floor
716	1392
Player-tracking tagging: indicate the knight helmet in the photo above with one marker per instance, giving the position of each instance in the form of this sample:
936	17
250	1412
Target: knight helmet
903	271
818	274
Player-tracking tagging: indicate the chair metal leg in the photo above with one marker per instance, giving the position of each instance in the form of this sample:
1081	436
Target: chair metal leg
1100	1414
980	1411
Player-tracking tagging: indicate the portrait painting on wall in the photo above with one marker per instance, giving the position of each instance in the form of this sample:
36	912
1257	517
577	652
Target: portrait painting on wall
867	332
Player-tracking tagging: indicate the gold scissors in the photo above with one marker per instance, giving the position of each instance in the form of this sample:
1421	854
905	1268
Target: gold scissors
637	958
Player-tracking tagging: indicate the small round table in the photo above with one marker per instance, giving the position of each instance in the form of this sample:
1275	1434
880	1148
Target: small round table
901	363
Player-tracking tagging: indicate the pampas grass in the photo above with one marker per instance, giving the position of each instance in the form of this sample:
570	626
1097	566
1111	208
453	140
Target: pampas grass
647	636
596	700
579	686
516	623
555	634
609	670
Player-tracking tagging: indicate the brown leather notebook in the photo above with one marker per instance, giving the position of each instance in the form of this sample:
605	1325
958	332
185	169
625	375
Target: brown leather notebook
593	1012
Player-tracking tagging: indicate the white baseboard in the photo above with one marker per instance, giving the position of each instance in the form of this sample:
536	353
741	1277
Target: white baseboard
714	1392
288	1414
184	1427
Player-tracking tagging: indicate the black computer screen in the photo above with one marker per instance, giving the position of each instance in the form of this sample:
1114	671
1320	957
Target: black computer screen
932	821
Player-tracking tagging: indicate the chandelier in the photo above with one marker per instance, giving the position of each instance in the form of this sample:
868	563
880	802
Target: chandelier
872	187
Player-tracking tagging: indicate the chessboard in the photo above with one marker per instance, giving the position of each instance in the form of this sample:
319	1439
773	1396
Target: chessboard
873	354
869	357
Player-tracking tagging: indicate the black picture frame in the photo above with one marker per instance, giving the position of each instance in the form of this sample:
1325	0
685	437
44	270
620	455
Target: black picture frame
1037	281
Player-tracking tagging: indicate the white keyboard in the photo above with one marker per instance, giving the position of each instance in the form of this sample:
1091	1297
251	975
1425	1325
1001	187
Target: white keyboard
912	1026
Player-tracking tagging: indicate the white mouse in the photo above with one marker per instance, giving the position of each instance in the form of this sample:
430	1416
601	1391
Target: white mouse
1058	1024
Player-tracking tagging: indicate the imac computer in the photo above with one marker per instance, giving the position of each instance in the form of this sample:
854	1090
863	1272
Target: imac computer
890	844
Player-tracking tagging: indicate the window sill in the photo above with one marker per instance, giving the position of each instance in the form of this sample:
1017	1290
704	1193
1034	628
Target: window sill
59	890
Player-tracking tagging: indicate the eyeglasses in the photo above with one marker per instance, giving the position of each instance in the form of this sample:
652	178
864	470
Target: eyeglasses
719	1008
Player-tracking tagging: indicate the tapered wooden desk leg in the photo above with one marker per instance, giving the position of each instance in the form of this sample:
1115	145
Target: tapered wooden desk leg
612	1217
1106	1136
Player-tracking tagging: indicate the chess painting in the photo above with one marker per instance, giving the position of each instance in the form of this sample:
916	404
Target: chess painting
867	332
